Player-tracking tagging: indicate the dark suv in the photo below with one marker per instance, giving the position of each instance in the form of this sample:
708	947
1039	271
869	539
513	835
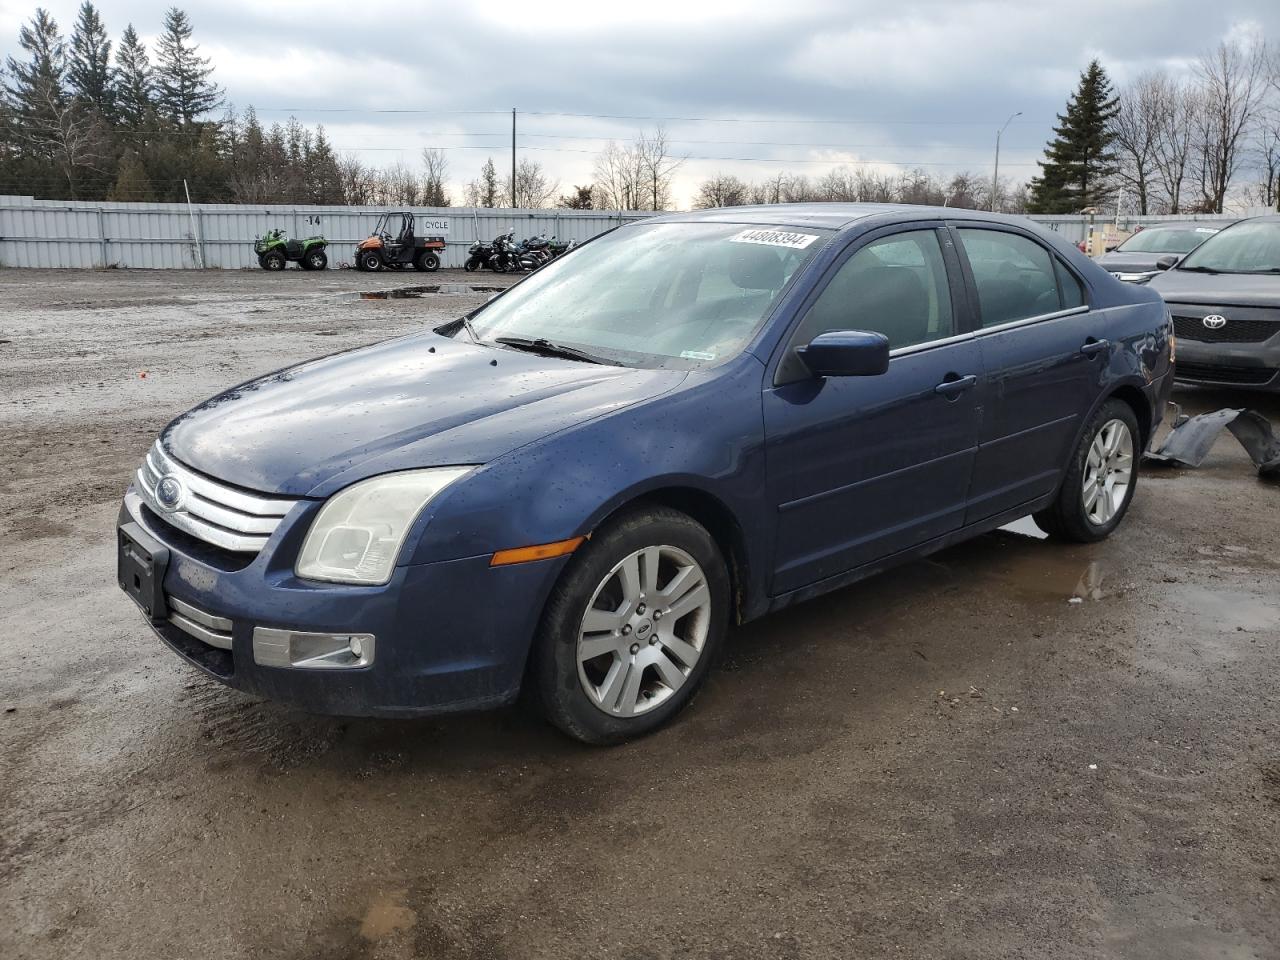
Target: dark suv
1225	301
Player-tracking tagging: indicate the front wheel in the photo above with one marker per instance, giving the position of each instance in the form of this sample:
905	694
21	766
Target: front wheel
498	264
1100	480
370	261
632	627
273	260
472	264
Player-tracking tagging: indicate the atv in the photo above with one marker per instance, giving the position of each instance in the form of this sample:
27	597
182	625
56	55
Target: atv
393	244
275	250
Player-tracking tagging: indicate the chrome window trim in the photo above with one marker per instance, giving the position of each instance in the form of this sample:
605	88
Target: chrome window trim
975	334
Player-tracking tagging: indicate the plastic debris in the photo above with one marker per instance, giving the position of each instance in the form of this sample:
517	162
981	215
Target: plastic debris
1188	443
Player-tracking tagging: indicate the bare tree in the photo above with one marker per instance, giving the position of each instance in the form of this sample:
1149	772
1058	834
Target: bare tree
534	189
354	180
618	175
1232	78
435	169
1137	127
657	167
722	190
68	133
397	186
1177	107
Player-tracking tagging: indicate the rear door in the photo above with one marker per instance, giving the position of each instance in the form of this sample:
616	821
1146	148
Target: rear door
1041	354
863	467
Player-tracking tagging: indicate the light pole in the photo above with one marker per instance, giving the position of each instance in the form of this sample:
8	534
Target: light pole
995	177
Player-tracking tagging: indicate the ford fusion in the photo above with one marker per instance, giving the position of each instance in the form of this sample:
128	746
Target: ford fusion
1225	300
580	487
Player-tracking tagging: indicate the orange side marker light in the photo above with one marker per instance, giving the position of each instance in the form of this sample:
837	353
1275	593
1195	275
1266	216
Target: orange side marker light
541	551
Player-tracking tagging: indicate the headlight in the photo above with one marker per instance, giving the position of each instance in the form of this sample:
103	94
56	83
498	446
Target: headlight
356	538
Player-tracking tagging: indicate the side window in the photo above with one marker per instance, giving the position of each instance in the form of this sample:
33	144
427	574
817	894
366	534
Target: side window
1072	291
896	286
1015	276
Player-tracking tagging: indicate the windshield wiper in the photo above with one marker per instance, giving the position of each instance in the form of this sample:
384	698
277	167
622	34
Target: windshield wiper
544	346
1199	269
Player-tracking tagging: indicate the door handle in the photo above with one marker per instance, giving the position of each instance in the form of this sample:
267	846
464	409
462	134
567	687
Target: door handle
953	388
1093	347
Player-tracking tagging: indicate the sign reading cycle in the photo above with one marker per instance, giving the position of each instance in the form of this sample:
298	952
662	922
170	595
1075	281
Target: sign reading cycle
775	238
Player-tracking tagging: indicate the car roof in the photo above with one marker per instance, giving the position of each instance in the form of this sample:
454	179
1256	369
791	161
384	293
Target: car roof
832	216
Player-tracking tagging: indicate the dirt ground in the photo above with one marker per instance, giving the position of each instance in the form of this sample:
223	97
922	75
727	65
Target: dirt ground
949	760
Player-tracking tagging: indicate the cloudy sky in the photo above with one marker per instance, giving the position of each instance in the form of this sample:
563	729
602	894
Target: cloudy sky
749	87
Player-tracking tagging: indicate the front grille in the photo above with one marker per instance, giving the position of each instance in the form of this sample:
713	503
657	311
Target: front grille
206	509
1243	376
1233	331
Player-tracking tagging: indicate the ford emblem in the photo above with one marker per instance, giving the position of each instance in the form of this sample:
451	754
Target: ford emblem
1215	321
169	492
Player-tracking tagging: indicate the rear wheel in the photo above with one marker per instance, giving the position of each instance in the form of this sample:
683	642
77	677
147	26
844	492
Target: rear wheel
369	260
1101	479
632	627
316	260
272	260
427	262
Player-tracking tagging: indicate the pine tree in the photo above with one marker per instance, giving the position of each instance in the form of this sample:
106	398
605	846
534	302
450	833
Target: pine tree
1079	166
184	91
131	180
32	87
89	61
134	85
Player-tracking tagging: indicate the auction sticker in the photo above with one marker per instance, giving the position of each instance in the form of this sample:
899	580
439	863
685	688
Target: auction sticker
775	238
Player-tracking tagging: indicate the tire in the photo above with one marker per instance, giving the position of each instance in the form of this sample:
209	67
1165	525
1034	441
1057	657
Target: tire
273	260
498	264
370	261
315	260
427	262
472	265
1109	454
600	636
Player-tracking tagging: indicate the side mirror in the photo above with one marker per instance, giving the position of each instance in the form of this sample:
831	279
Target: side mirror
846	353
1167	262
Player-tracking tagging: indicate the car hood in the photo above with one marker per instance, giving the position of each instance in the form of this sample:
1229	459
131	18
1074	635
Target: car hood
1120	262
1224	289
418	401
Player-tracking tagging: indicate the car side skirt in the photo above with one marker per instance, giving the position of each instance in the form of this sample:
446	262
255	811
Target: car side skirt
904	556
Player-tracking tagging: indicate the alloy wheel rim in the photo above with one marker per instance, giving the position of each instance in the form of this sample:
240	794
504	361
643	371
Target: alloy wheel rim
1108	472
644	631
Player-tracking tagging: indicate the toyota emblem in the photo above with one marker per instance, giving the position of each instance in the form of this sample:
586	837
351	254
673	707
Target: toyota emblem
1215	321
169	492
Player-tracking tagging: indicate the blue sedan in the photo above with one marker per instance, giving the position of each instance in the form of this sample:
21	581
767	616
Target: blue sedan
580	487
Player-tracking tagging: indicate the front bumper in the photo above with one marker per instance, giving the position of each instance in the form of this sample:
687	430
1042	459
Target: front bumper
1254	366
450	636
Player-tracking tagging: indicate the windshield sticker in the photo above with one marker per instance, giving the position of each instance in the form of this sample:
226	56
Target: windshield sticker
1205	230
775	238
699	354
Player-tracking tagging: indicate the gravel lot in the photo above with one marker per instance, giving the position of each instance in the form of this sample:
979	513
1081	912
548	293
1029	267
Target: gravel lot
950	760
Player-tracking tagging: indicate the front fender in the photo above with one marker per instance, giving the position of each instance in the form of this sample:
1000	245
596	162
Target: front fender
706	435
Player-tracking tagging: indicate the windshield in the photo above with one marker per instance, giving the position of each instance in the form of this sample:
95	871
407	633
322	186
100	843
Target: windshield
1166	240
663	294
1252	246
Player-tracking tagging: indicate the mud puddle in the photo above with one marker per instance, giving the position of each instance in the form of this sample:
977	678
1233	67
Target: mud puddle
414	293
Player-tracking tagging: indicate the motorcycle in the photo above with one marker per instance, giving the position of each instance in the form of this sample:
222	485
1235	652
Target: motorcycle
506	254
559	248
479	255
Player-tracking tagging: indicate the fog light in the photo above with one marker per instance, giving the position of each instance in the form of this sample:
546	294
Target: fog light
303	650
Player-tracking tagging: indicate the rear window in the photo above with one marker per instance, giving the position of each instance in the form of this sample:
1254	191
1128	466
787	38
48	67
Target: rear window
1016	277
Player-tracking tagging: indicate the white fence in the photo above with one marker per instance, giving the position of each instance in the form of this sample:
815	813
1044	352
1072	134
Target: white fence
64	233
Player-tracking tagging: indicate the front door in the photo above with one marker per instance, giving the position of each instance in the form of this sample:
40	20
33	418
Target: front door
1042	357
864	467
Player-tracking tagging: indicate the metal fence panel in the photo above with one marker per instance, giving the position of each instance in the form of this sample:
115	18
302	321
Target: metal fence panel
67	233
